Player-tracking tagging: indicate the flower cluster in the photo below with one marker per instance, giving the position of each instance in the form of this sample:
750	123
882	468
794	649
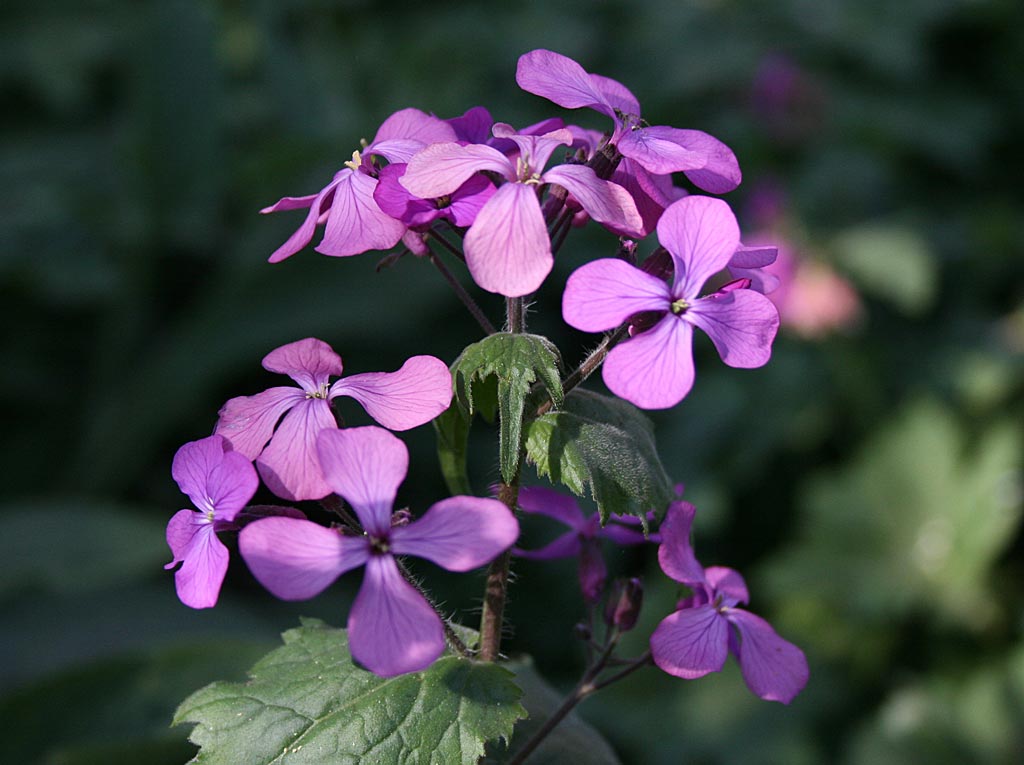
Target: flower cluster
502	200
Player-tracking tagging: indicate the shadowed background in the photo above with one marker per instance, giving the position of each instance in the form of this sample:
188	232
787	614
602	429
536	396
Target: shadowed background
867	482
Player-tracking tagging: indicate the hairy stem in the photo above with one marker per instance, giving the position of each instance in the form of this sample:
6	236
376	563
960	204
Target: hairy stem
496	589
588	366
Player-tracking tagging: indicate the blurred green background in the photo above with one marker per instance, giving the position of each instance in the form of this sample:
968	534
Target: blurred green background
867	482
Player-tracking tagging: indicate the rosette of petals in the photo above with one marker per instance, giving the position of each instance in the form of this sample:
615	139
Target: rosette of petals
288	464
392	629
706	161
583	538
353	221
654	368
219	482
697	637
508	250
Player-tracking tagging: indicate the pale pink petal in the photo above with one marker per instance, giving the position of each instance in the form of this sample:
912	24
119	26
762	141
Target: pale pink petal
310	362
774	669
702	235
412	396
721	172
691	643
560	80
553	504
355	223
508	250
604	201
654	369
675	554
565	546
602	294
297	559
248	422
727	582
459	533
741	323
200	577
289	465
291	203
658	150
304	233
414	124
441	168
397	150
391	628
365	466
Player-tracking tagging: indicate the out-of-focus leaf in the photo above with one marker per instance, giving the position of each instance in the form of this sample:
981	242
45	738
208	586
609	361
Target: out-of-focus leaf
605	445
573	741
892	262
308	702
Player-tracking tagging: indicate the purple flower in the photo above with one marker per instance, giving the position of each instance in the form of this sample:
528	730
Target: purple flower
507	248
654	369
392	629
354	223
707	162
696	639
219	482
413	395
583	537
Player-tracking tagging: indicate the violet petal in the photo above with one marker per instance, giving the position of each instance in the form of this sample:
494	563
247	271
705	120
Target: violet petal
773	668
602	294
675	554
653	369
702	235
691	643
741	323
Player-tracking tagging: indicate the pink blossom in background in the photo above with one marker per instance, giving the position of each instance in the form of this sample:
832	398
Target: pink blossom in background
288	464
392	629
219	482
696	639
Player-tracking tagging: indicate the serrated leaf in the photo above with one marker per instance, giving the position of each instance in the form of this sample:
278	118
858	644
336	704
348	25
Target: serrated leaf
306	702
516	361
452	430
572	741
605	445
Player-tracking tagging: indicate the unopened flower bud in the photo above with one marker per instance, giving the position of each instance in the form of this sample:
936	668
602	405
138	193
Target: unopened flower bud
623	606
401	518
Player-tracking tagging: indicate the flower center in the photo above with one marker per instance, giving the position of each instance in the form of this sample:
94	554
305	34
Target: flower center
320	392
679	306
379	545
356	162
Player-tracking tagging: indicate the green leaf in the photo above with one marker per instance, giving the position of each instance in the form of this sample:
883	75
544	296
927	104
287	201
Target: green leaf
604	444
452	430
308	703
572	741
516	361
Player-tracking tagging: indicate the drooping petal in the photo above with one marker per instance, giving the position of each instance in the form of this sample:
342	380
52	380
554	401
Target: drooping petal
565	546
757	256
508	250
773	668
413	124
702	235
675	554
200	577
602	294
741	323
720	172
474	126
365	466
654	369
391	628
553	504
604	201
303	235
215	479
355	223
459	533
727	582
691	643
658	150
289	465
560	80
298	559
617	95
443	167
310	362
415	394
248	422
591	570
622	535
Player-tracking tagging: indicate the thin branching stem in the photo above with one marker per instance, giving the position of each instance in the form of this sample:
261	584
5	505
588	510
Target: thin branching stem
460	291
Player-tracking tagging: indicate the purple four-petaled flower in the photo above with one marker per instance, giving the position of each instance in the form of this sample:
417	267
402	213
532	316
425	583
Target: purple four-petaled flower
654	369
696	638
219	482
413	395
392	629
